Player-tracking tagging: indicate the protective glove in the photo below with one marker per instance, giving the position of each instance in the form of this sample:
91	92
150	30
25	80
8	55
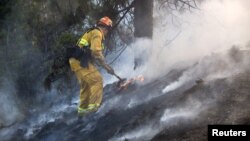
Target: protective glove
100	59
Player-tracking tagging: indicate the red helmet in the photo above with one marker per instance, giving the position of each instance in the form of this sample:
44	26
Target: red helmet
106	21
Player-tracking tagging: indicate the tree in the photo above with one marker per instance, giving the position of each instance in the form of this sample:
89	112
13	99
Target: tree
143	17
143	14
143	21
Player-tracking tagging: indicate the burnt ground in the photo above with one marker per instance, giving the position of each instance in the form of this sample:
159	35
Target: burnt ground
188	110
231	108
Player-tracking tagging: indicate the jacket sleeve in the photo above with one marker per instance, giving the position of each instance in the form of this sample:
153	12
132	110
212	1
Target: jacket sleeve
96	49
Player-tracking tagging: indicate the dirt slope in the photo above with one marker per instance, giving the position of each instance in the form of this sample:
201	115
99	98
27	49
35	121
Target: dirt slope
145	112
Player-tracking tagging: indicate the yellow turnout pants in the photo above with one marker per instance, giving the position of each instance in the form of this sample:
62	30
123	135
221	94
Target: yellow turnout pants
91	86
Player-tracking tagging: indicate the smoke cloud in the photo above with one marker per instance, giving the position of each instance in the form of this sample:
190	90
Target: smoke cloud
9	108
180	39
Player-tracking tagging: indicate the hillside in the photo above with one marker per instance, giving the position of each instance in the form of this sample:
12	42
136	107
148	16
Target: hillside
169	108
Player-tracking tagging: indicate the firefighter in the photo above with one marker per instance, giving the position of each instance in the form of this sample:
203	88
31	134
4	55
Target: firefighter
90	47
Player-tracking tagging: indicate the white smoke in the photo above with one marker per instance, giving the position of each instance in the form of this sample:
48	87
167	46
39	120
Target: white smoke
218	26
9	108
170	117
198	37
175	84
